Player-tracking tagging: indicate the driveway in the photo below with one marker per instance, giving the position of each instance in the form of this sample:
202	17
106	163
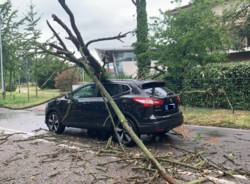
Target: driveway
224	146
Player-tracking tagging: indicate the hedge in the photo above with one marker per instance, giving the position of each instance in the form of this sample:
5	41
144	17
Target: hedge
224	85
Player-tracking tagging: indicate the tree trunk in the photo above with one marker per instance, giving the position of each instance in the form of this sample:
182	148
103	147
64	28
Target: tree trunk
10	81
28	90
36	73
142	45
28	80
36	89
19	84
124	123
93	68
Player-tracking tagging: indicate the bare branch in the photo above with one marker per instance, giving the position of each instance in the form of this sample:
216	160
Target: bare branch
92	61
59	52
56	35
134	2
65	27
159	69
118	37
72	21
45	50
55	46
76	42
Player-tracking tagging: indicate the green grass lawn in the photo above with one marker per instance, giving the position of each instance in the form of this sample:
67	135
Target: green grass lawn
17	100
216	117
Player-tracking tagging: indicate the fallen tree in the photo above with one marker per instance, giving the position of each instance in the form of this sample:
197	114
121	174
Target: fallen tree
96	72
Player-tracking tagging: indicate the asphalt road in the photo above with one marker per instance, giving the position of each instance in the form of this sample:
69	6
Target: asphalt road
218	144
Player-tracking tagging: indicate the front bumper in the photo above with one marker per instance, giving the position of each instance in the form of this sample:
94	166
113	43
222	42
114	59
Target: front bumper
160	126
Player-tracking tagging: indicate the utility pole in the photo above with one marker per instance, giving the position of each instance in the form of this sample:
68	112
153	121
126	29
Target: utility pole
1	59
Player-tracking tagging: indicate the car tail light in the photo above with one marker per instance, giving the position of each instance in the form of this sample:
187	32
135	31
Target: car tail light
149	102
178	100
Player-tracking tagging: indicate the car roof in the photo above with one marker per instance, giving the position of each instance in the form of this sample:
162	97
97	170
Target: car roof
140	83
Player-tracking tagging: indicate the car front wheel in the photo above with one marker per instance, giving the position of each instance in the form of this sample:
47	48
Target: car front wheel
54	124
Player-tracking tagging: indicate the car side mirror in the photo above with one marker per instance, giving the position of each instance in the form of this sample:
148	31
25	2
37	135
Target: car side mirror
69	96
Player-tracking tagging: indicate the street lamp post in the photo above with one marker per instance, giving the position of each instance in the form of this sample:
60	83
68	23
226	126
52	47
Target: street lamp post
1	59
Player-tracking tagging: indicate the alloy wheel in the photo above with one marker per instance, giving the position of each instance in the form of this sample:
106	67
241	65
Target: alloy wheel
53	122
123	135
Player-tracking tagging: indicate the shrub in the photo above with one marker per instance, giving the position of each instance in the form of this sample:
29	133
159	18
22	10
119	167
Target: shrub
218	85
11	88
66	79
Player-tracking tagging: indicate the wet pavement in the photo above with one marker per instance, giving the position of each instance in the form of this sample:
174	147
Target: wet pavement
227	147
23	120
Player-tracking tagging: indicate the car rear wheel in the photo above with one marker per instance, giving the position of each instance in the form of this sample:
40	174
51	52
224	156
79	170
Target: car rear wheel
123	135
54	124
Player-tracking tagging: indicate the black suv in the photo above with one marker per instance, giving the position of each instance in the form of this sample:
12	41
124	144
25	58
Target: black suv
149	107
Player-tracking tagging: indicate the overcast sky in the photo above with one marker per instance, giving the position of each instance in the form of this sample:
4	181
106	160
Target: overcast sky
95	18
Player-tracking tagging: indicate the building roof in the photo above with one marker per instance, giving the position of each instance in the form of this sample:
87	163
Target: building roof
123	49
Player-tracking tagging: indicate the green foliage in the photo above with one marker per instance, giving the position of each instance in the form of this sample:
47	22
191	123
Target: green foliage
189	37
32	35
214	84
237	18
11	40
47	67
11	88
21	60
142	44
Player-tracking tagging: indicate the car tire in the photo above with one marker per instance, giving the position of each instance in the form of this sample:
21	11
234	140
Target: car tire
54	123
159	136
123	135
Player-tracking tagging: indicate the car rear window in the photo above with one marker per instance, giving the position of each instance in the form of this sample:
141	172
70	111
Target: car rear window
125	88
160	92
116	89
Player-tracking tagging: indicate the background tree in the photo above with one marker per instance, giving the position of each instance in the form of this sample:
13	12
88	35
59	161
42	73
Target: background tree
192	36
32	41
47	67
12	42
237	19
142	44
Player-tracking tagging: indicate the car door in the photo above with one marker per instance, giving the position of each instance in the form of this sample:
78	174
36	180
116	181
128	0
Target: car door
89	108
102	118
81	112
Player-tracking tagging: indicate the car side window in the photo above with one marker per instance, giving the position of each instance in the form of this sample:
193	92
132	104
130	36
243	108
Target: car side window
113	89
85	92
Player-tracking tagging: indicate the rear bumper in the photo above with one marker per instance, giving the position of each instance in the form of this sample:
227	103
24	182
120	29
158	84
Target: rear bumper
161	126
